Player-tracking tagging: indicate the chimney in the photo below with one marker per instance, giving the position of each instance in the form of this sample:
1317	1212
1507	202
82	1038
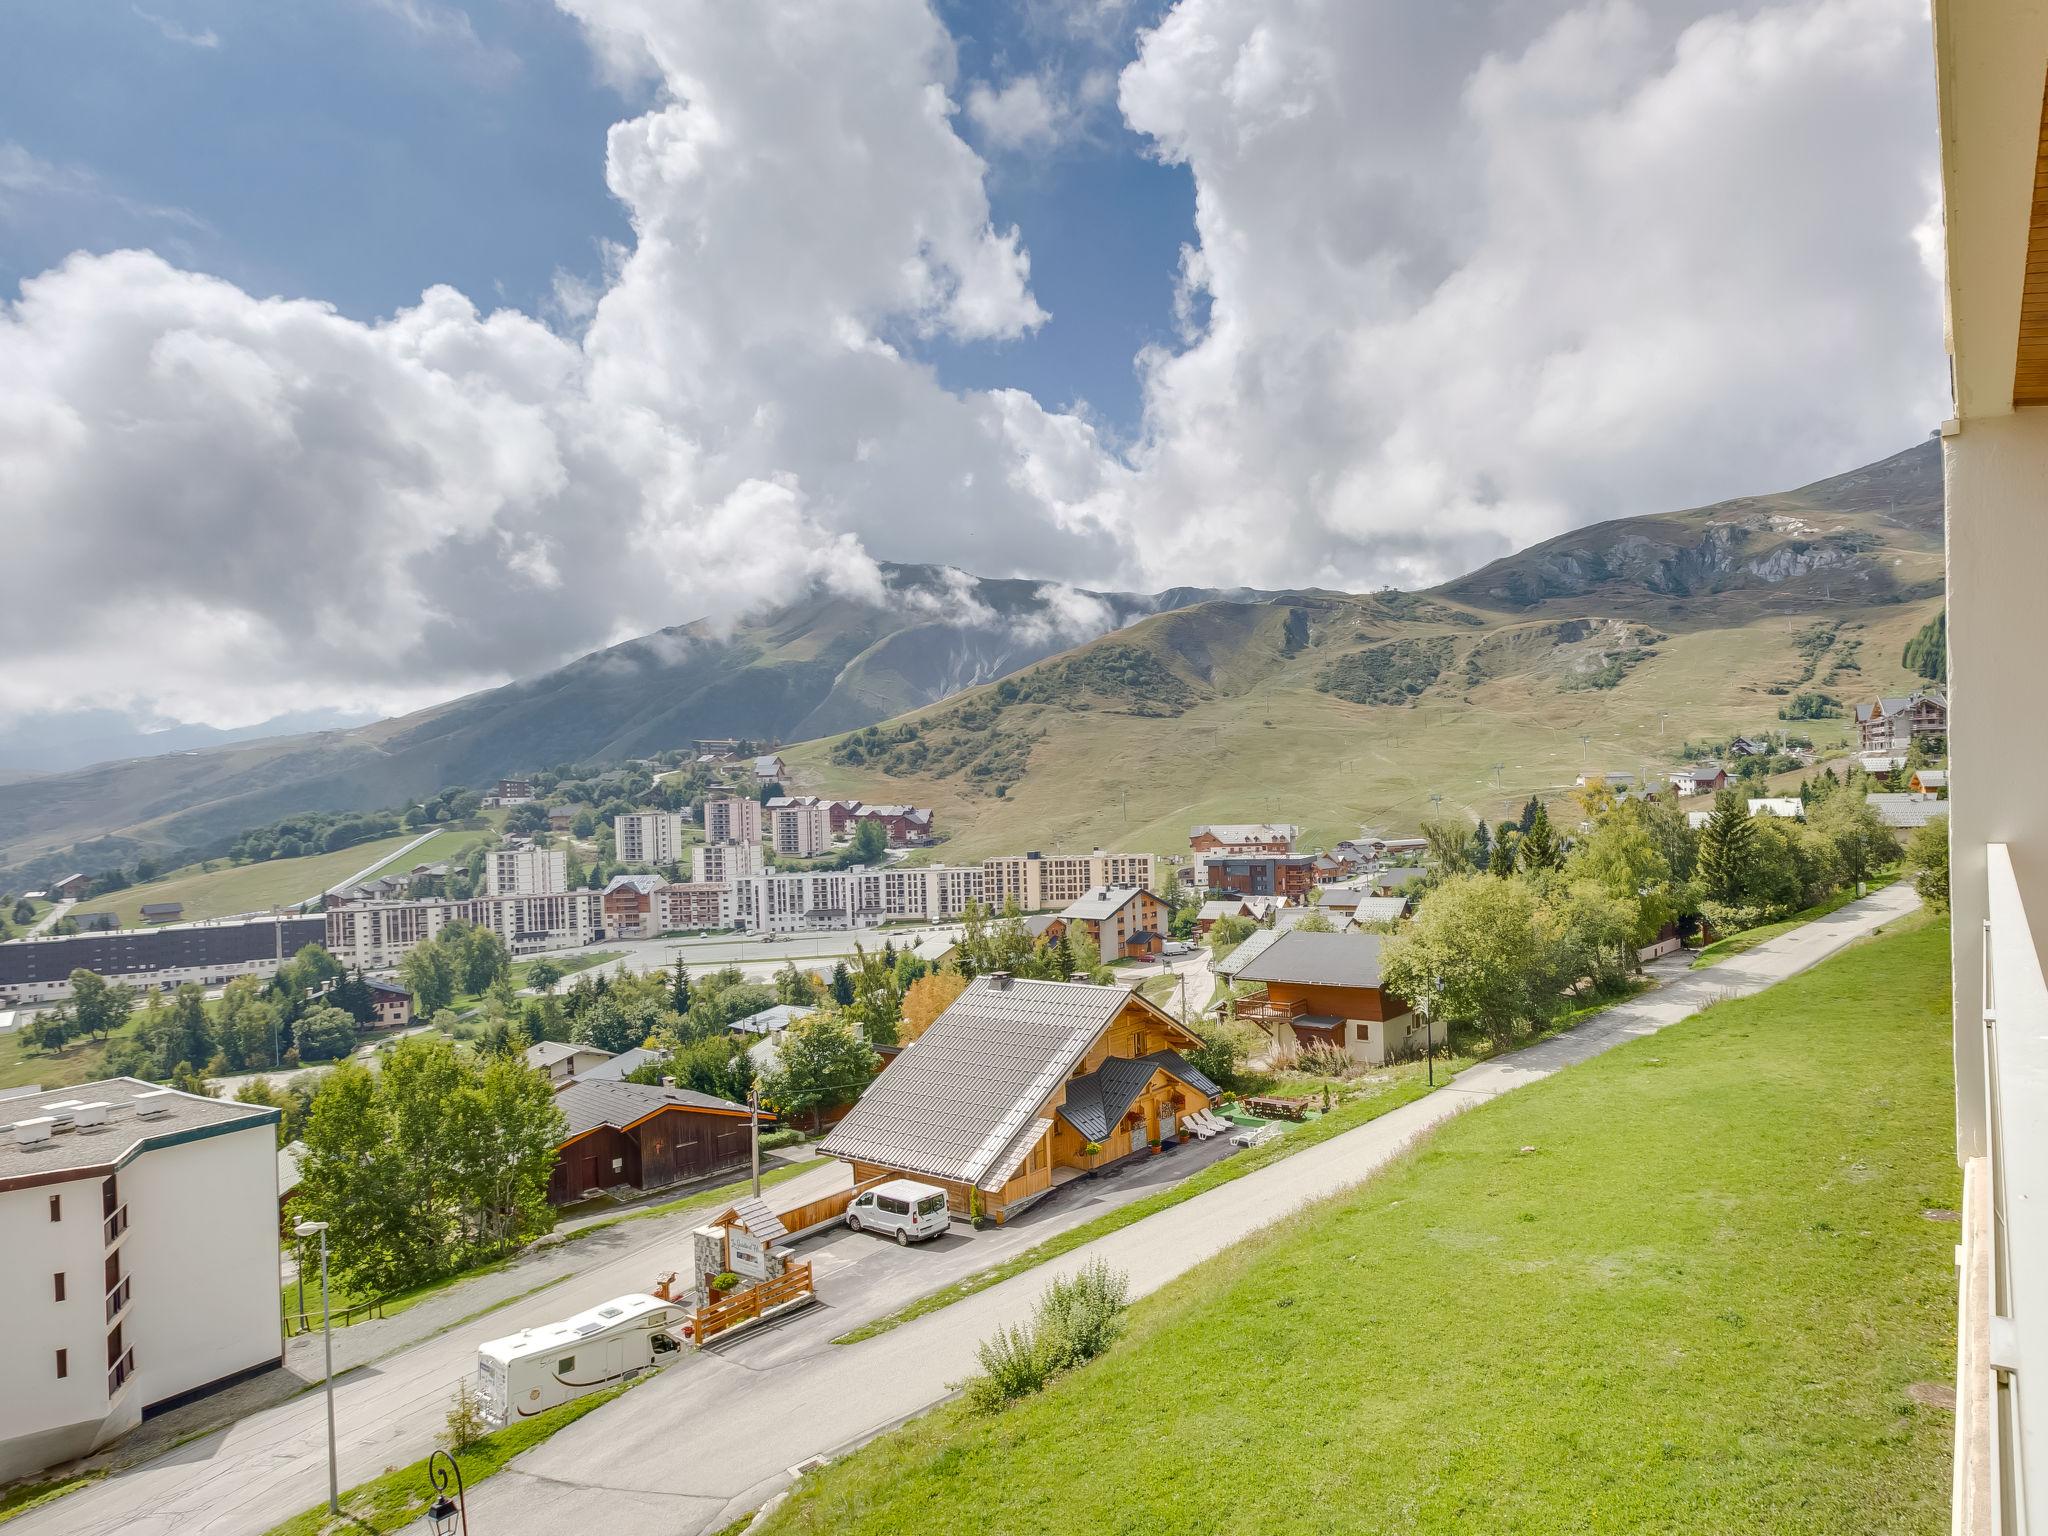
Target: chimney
999	981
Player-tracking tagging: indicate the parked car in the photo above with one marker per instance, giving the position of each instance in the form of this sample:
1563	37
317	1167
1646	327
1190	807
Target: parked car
1177	947
903	1208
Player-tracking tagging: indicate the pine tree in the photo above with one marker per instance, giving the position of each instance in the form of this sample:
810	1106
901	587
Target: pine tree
1727	848
679	988
1502	862
1537	850
1529	814
1482	849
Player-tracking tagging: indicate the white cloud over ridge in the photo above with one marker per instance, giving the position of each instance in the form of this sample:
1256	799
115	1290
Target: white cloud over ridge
1460	282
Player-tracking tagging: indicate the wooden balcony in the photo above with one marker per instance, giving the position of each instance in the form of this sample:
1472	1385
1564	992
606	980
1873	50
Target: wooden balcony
1261	1009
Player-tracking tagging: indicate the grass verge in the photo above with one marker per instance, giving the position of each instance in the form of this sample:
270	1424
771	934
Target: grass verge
1749	938
1684	1286
401	1496
1354	1111
23	1497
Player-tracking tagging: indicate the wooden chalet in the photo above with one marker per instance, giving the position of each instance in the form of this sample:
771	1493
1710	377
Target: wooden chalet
1323	989
1123	921
642	1137
1021	1086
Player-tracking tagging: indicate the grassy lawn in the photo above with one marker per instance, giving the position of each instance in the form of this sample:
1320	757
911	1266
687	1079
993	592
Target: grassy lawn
449	844
400	1497
1749	938
82	1061
230	889
1685	1287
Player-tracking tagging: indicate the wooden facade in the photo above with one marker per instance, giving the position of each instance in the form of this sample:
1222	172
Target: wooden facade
1364	1022
671	1145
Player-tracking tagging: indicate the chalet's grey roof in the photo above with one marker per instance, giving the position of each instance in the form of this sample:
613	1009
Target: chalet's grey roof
1342	895
1380	909
289	1156
75	1150
770	1021
1319	960
545	1053
1236	906
162	906
953	1104
377	984
646	885
1903	812
588	1106
614	1069
1104	901
1039	923
1245	953
1880	762
1933	778
1789	807
1098	1099
1289	918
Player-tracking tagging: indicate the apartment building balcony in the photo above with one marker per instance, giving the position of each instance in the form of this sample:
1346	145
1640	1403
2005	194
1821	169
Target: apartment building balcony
116	1225
118	1300
2001	1452
120	1373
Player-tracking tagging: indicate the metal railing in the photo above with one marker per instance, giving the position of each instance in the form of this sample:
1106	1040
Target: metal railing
119	1372
115	1225
296	1323
2001	1457
117	1299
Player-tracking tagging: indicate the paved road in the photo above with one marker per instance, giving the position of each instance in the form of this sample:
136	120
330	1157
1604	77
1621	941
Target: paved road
716	1434
44	923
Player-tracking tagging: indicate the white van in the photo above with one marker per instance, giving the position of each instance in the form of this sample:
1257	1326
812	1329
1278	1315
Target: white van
535	1369
909	1210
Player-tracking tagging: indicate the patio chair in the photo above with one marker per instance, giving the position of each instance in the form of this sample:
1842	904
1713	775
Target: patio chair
1217	1123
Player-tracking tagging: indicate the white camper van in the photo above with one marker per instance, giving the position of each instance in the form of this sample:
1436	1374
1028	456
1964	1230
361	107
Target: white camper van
540	1367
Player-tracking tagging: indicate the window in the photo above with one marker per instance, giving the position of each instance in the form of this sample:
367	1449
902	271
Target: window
931	1205
892	1205
564	1366
59	1279
63	1363
56	1207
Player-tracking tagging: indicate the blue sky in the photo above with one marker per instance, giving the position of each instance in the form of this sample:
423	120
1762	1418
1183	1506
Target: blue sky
344	152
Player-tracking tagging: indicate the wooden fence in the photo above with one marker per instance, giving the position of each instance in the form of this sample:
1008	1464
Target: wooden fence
812	1214
793	1284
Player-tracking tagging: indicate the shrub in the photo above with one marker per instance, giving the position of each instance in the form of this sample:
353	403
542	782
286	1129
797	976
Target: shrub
725	1280
466	1424
1076	1319
792	1137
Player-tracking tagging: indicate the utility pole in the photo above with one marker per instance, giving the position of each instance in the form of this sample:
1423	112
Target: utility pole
1496	774
754	1130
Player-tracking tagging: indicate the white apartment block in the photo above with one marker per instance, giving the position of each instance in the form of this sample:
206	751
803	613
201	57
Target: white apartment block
1038	881
800	831
681	908
717	863
140	1229
800	900
648	837
376	934
524	870
734	819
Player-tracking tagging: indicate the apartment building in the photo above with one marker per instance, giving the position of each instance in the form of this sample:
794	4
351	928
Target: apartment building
1889	725
799	831
721	863
521	869
629	907
1244	837
376	935
1291	876
798	900
1991	57
211	953
1038	881
679	908
732	819
140	1228
648	837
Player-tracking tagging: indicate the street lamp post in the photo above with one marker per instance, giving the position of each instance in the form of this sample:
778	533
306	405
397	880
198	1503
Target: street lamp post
309	1229
445	1515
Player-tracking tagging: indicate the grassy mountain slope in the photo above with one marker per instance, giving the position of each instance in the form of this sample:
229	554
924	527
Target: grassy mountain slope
823	663
1335	711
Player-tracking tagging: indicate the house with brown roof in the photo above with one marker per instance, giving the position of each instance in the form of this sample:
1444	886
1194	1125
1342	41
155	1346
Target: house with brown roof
643	1137
1021	1086
1243	837
1324	989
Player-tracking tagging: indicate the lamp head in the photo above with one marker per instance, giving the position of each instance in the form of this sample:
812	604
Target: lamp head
310	1228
